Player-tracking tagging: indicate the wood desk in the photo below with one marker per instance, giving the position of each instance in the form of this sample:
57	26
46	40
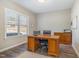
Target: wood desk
65	37
53	43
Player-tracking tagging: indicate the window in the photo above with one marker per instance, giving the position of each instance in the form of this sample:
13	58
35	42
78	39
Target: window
16	23
23	26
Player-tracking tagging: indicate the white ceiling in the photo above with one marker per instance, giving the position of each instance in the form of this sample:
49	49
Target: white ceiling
50	5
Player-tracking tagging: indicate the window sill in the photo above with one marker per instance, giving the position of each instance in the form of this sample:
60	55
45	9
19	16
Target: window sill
15	36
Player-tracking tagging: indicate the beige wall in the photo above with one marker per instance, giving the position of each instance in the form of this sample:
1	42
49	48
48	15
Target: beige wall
54	21
75	32
11	41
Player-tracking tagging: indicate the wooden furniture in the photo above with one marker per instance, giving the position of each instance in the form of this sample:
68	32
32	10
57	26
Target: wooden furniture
44	42
65	37
53	43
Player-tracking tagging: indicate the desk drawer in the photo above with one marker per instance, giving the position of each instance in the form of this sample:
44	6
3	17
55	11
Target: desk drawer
53	47
65	37
31	44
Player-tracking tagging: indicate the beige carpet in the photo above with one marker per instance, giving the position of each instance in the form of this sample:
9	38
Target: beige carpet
66	52
28	54
21	52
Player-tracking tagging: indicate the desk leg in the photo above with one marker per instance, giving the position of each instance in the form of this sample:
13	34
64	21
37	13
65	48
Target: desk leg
32	44
53	47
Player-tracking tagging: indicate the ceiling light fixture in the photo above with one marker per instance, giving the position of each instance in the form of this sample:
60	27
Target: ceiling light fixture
42	1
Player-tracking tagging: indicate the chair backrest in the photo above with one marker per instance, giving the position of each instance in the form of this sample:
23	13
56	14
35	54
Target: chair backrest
36	32
47	32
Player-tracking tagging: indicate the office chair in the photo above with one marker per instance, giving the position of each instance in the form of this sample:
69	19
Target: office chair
39	40
36	32
47	32
44	43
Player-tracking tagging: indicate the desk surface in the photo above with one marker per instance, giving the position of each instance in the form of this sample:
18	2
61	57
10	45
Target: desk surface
53	43
45	36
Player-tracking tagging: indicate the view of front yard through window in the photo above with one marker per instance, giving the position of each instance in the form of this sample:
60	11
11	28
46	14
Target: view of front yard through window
16	23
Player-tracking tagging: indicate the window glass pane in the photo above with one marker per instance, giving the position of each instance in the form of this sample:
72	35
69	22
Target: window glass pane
11	23
23	27
23	30
15	23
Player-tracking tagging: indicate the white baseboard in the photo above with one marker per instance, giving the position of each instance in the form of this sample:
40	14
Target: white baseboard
77	52
2	50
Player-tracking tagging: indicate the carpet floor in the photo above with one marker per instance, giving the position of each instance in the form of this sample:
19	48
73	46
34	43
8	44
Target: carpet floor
21	52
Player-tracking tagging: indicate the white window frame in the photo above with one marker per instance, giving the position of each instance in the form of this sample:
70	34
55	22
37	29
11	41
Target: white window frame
27	17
